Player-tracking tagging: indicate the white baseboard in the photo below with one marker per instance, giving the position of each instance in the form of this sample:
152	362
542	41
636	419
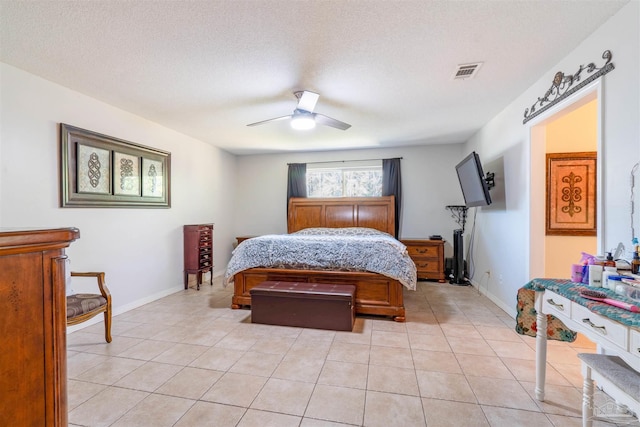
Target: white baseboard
510	310
133	305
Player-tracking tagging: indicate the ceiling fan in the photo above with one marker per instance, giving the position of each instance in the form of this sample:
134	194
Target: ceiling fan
303	117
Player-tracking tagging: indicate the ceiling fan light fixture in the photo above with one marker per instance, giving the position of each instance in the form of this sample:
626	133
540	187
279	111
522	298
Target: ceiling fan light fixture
303	122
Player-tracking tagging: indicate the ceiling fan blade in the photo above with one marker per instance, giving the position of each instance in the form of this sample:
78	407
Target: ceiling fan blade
270	120
328	121
307	101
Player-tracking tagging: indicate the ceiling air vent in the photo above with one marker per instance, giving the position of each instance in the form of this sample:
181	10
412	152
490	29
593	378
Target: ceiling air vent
466	71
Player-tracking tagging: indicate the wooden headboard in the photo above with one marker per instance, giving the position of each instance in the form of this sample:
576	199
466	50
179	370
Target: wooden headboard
372	212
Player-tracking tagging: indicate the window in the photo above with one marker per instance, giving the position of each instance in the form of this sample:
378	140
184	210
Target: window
344	179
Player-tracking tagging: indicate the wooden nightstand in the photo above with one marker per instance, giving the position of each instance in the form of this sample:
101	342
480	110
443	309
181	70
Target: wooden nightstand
428	255
241	239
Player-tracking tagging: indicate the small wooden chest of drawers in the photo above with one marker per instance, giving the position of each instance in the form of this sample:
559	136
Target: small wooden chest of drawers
198	252
428	255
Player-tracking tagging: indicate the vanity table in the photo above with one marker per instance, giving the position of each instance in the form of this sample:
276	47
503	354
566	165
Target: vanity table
615	331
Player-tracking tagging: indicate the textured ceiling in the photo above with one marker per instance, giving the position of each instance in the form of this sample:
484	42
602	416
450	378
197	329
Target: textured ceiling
208	68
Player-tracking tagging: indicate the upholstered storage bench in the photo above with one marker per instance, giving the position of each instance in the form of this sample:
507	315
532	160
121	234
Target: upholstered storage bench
306	305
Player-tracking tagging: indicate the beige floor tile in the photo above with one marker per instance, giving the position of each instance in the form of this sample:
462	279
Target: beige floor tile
254	363
255	418
463	331
559	400
310	348
525	370
284	396
339	404
149	376
390	339
203	414
385	325
81	362
318	334
146	350
506	417
218	359
106	407
299	369
346	352
489	320
273	345
79	392
563	421
503	393
456	349
429	342
562	354
235	389
110	371
425	328
470	345
390	356
484	366
95	343
441	385
363	337
436	361
385	409
310	422
181	354
499	333
141	330
203	337
392	380
172	334
190	383
571	372
237	342
155	411
445	413
344	374
513	350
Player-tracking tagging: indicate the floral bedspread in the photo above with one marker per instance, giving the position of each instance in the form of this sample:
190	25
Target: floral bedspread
342	249
526	317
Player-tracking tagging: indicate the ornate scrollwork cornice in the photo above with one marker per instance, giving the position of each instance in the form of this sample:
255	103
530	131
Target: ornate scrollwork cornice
564	85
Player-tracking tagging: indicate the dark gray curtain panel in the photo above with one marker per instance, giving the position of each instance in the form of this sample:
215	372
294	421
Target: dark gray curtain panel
296	181
392	186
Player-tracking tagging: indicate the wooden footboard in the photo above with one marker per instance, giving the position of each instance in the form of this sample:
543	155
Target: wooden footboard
375	294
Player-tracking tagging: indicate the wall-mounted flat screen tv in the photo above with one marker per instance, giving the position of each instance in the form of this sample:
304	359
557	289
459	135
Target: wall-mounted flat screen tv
472	181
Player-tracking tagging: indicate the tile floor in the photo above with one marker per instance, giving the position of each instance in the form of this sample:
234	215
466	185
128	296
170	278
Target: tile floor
189	360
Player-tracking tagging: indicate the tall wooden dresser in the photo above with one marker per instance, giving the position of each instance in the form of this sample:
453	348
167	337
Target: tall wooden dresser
428	255
198	252
33	328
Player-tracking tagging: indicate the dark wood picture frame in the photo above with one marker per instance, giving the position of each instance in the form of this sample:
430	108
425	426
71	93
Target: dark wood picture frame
101	171
571	194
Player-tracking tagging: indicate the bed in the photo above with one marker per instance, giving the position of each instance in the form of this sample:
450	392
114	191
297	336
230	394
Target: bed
376	293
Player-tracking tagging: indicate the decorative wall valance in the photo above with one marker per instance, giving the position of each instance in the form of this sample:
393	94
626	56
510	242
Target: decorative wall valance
565	85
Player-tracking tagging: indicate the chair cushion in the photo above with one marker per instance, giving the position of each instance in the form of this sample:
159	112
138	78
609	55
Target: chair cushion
78	304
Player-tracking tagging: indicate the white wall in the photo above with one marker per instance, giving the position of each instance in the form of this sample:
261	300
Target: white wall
428	178
502	238
141	250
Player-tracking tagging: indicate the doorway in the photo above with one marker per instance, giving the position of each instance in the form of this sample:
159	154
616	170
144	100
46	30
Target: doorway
573	125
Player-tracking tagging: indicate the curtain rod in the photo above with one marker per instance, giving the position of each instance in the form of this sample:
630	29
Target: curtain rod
343	161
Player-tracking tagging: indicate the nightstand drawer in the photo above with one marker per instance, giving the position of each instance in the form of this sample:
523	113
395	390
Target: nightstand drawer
417	252
427	266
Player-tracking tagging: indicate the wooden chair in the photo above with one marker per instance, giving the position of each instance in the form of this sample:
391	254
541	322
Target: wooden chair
82	307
